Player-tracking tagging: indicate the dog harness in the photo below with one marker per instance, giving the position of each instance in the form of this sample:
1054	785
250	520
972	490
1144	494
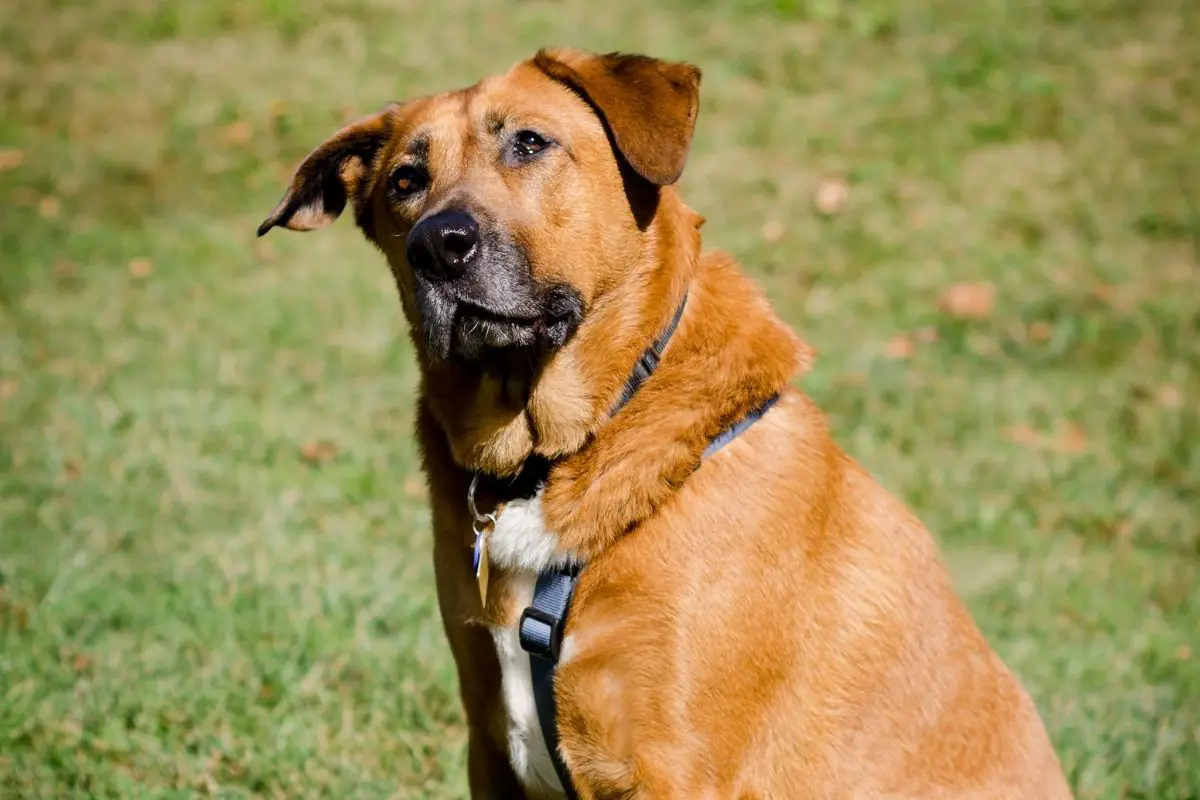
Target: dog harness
542	623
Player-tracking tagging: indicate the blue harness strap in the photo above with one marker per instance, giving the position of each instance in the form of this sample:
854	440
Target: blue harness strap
542	623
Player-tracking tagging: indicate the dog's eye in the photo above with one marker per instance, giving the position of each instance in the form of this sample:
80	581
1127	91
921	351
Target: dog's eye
408	180
529	144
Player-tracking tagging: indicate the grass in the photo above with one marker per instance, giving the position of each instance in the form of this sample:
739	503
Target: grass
213	541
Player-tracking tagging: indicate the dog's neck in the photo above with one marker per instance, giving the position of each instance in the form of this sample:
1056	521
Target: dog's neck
494	421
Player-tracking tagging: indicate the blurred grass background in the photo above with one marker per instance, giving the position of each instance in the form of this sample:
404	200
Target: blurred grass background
214	569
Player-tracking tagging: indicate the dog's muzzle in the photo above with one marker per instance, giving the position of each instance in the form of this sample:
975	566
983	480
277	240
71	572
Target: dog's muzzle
476	294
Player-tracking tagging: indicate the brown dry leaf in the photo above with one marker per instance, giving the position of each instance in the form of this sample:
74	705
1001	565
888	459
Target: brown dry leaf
8	388
831	195
851	379
772	230
141	268
1040	331
49	207
1023	435
80	662
11	158
968	300
72	469
899	347
1168	396
1071	439
319	451
414	487
235	133
13	615
927	335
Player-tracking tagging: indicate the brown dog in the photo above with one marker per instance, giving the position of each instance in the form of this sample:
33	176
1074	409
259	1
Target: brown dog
765	623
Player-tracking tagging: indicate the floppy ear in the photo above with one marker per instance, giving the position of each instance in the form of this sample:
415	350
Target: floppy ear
339	169
649	105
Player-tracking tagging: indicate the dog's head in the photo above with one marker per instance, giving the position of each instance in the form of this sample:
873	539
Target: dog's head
507	209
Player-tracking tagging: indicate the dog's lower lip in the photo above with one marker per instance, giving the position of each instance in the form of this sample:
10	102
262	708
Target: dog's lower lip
479	312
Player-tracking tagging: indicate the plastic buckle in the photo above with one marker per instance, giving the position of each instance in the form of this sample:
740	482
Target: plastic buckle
533	645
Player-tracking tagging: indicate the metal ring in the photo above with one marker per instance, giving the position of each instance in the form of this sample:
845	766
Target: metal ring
480	519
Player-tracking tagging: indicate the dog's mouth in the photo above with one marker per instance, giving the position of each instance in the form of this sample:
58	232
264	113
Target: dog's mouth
475	333
479	327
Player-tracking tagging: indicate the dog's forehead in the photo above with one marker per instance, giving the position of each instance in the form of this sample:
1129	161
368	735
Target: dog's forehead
522	95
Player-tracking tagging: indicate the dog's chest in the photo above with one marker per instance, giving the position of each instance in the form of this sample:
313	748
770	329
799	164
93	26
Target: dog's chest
527	749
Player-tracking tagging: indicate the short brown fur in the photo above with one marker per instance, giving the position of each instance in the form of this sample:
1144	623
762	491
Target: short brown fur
769	623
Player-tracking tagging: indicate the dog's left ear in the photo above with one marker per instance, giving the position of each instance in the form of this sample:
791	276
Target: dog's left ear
650	106
338	170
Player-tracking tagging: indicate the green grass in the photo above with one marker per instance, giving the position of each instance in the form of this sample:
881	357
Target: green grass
193	603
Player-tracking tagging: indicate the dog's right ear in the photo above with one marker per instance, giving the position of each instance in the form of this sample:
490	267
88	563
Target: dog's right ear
340	169
649	105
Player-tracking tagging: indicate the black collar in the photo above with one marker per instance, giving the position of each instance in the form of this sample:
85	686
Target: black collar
648	362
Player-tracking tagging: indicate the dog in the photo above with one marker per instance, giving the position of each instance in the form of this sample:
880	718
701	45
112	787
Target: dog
763	622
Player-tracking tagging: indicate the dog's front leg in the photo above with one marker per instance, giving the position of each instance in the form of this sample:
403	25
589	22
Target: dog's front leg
489	774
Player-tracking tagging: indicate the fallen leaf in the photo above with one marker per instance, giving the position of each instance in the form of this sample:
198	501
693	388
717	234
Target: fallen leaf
64	269
899	347
1040	331
72	469
1168	396
772	230
318	452
831	195
1071	439
238	132
49	207
80	662
14	615
1023	435
851	379
11	159
141	268
968	300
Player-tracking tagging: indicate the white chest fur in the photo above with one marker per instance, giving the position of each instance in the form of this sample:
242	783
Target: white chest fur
521	544
526	746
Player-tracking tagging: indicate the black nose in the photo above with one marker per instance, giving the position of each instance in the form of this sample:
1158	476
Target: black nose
444	245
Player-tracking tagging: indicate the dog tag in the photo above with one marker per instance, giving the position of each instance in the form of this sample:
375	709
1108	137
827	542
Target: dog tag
479	558
482	524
